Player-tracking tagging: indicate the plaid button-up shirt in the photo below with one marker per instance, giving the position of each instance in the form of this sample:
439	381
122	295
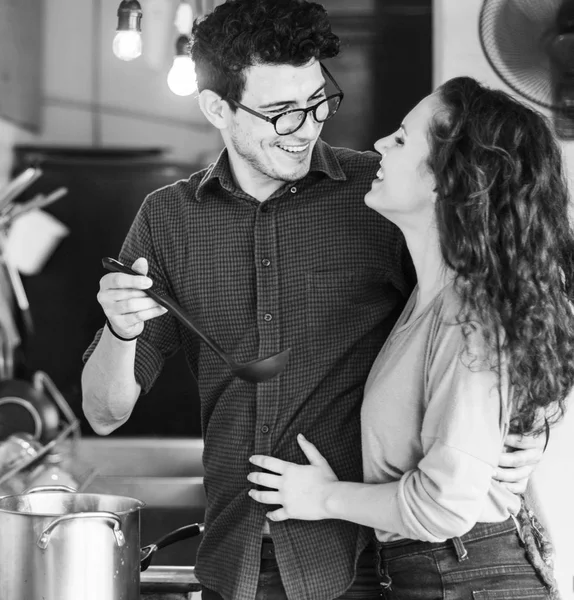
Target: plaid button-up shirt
312	269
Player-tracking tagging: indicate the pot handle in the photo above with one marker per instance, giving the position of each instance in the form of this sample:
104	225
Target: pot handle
183	533
112	519
49	488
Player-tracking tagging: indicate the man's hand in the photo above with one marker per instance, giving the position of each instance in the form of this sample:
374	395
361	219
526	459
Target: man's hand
517	463
125	302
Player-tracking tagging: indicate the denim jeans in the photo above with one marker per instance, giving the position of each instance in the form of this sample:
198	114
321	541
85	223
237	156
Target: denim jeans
365	587
487	563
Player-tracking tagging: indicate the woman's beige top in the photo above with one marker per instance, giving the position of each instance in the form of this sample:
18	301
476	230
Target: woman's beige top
434	420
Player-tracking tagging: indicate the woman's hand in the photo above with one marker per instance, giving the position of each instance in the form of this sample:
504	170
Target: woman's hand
301	490
517	463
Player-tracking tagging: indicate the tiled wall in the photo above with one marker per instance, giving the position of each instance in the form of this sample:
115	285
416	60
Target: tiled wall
10	134
91	97
136	107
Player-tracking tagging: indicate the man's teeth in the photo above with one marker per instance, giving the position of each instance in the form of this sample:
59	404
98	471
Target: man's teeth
380	174
294	149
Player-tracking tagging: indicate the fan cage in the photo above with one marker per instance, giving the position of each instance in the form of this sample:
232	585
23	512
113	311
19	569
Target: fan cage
520	57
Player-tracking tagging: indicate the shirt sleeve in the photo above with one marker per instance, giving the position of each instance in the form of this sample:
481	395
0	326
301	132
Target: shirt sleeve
462	438
160	338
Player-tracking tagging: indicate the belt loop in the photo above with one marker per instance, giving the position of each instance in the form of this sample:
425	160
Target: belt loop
382	565
461	551
518	528
386	581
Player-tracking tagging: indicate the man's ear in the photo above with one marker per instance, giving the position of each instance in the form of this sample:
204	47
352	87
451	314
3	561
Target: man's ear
215	109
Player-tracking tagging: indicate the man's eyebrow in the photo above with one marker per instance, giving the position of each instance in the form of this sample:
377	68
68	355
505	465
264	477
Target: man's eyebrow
404	128
284	102
318	90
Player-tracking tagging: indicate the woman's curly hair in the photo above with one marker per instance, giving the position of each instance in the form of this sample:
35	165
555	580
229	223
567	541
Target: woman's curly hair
504	227
239	34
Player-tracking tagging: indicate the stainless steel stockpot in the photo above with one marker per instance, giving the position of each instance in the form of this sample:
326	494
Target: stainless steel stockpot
57	545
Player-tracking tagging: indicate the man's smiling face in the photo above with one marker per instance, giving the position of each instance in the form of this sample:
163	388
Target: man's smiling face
256	151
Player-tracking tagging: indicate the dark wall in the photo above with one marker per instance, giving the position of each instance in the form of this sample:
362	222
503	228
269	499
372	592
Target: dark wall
384	68
105	191
402	60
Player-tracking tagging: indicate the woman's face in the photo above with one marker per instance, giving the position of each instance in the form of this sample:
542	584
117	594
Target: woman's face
404	188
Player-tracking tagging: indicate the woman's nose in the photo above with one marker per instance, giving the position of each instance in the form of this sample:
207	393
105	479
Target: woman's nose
381	146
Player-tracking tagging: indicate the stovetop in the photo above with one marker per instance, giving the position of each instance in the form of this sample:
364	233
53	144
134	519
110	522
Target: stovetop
168	583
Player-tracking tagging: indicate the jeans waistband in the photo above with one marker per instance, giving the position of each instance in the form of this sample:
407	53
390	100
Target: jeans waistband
478	532
267	548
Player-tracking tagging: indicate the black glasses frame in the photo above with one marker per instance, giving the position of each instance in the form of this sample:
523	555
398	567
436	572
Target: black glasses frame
273	120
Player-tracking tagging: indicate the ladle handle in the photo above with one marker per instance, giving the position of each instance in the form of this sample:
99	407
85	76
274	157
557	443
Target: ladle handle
111	264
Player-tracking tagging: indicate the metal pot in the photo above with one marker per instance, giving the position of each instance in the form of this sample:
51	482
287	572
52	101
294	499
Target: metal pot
57	545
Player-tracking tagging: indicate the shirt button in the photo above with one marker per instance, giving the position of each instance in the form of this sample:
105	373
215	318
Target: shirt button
293	190
268	317
265	429
265	262
264	207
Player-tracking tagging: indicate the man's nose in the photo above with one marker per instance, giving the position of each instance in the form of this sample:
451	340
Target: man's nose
309	127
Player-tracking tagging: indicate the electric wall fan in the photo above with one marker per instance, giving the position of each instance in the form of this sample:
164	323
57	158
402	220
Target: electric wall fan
530	45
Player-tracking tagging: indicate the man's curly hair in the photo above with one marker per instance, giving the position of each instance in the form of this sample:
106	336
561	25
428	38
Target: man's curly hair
505	229
239	34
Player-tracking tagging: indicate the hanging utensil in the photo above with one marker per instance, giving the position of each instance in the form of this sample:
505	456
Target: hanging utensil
255	371
17	288
17	186
37	202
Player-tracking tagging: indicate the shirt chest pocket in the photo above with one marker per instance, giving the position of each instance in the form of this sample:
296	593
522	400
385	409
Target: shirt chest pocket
345	306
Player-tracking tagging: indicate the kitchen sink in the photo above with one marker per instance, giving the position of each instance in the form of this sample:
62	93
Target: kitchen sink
162	472
165	473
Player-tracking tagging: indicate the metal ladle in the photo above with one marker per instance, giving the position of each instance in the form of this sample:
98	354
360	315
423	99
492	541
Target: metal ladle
255	371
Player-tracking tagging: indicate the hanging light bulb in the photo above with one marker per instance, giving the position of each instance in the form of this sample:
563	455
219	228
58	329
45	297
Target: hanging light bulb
181	77
128	41
183	17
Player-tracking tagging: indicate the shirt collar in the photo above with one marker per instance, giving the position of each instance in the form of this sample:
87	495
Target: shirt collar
220	171
323	160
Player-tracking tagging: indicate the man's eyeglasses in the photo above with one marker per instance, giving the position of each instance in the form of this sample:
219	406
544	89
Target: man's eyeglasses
291	120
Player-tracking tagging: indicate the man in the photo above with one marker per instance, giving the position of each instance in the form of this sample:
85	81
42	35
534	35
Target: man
272	247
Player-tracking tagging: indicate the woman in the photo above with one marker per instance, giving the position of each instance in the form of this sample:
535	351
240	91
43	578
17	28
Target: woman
485	345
